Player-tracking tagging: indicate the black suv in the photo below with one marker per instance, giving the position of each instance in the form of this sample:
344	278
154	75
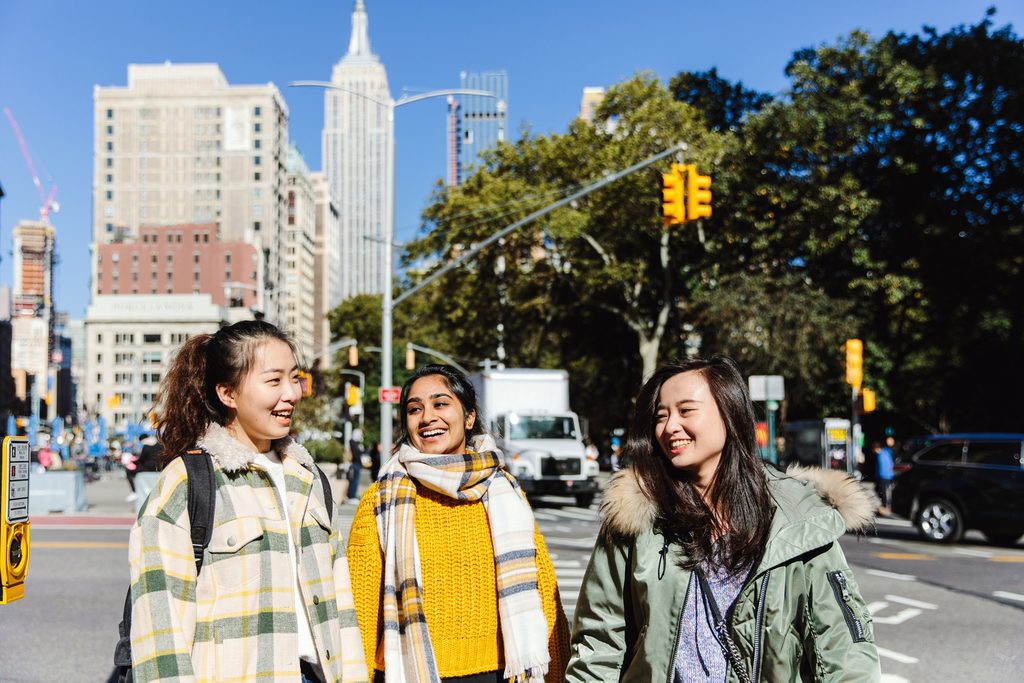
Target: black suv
955	482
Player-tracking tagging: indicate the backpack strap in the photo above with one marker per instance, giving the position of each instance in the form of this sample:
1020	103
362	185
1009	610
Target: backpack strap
201	490
328	495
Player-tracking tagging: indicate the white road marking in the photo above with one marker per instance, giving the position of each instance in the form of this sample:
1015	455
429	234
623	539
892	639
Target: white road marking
571	542
560	528
557	563
898	618
893	678
898	656
538	514
1008	595
910	602
972	553
576	513
888	521
890	575
560	573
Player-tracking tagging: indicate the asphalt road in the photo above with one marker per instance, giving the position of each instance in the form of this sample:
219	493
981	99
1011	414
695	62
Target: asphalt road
942	613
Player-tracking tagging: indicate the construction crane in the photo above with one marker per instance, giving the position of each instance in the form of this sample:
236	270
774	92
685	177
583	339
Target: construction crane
47	201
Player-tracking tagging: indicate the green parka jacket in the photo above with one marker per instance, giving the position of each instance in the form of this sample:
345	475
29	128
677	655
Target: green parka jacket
799	616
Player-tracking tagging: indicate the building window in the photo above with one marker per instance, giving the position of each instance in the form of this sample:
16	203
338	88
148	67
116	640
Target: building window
255	144
152	259
110	130
109	227
256	111
110	113
256	128
99	339
152	338
99	378
255	160
110	146
110	162
256	226
110	194
110	177
227	257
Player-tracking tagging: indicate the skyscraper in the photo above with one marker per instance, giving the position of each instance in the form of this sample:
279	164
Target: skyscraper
355	145
479	122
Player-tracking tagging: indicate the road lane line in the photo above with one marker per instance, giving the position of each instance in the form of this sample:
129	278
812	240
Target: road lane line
898	656
565	563
582	543
78	544
898	618
1006	558
1008	595
972	553
910	603
577	513
569	572
904	556
547	516
890	575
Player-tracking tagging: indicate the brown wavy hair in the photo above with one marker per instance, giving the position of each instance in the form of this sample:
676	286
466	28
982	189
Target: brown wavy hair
187	401
739	490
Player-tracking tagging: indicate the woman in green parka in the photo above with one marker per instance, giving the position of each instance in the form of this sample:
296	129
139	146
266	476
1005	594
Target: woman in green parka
710	565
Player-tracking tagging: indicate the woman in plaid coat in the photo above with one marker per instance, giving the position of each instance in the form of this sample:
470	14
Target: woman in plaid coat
272	601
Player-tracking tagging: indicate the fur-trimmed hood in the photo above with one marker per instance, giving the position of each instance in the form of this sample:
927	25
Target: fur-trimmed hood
627	511
232	456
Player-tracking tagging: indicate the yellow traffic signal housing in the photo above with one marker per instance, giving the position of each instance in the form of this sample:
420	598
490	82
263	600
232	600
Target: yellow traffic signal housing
673	209
306	381
698	194
14	520
351	394
353	356
410	359
868	400
854	362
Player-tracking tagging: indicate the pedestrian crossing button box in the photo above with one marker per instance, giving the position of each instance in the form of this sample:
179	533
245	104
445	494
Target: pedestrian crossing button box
14	530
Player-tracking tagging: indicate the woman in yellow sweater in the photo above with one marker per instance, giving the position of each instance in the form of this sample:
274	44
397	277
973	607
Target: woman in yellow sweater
451	578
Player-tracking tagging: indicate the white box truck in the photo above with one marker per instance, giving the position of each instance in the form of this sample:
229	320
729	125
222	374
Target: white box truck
527	411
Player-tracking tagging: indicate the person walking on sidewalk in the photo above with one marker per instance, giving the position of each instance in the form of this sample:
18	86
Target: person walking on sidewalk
454	580
273	601
355	472
712	566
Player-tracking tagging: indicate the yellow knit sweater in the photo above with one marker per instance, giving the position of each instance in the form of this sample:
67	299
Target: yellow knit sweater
459	597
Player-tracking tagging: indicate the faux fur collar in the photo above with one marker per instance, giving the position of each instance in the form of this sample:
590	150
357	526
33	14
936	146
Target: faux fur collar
234	457
627	511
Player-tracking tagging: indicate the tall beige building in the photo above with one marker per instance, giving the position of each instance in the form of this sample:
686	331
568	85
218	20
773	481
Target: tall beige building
180	145
327	262
301	312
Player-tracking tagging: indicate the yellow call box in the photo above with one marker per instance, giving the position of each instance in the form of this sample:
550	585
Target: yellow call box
14	536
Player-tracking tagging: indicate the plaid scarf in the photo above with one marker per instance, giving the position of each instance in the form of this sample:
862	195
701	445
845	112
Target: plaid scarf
478	474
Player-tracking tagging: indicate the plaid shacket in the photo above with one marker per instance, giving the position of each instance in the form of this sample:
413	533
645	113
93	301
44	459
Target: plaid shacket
238	621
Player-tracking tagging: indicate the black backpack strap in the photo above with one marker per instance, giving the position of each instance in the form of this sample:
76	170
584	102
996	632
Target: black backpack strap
328	495
201	490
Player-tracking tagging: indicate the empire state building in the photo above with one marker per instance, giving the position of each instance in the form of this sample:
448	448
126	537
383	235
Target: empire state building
355	157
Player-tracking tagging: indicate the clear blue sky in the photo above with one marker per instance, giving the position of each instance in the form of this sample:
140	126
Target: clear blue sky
52	53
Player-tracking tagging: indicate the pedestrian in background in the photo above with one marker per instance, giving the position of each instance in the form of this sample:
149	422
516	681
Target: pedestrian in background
454	581
273	600
884	475
712	566
374	460
355	472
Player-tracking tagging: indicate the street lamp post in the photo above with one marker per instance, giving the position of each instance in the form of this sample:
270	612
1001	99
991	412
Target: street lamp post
387	304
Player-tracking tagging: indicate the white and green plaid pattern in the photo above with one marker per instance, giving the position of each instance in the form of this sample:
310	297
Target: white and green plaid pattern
238	622
478	474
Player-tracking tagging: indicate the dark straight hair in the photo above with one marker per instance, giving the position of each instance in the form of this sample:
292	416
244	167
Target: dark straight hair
457	383
738	493
187	402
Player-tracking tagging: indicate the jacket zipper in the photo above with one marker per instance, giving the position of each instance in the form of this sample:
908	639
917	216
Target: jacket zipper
759	626
842	593
679	627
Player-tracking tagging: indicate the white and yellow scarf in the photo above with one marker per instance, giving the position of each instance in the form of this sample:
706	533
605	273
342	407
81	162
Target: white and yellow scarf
478	474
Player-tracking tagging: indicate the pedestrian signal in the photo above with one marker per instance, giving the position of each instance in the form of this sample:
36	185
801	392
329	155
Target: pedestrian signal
867	397
698	194
673	210
352	395
854	349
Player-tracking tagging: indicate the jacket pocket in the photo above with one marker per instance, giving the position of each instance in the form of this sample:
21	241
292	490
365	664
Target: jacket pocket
235	552
840	588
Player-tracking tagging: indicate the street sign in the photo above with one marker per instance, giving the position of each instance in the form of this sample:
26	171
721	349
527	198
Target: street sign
14	523
766	387
389	394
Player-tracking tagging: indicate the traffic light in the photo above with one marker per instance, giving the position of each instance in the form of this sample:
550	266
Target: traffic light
673	210
698	194
306	381
854	362
867	400
114	401
410	358
353	356
351	394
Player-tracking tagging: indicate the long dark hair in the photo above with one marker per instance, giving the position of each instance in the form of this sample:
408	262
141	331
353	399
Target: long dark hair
738	492
457	383
187	401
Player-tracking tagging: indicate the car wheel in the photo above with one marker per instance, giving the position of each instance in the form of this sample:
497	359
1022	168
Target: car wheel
1008	538
940	520
584	500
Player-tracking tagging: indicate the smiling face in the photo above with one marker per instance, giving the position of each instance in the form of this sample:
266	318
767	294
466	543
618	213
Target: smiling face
262	404
435	419
689	429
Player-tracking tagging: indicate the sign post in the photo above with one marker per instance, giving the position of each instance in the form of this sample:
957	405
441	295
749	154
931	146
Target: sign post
14	526
771	389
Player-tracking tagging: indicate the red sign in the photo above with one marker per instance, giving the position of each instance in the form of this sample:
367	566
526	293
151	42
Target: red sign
389	394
